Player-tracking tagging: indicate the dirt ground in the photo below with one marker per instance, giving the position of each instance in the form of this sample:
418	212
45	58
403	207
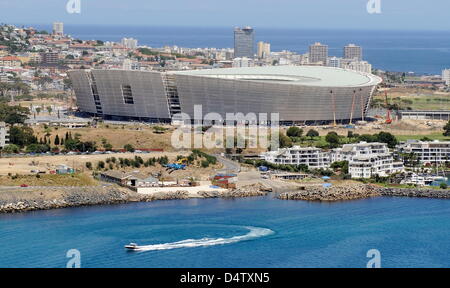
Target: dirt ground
23	165
140	136
402	127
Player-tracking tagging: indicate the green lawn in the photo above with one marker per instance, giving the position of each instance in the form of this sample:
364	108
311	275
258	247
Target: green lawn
433	136
320	141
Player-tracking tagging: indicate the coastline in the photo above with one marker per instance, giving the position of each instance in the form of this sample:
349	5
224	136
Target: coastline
359	191
46	198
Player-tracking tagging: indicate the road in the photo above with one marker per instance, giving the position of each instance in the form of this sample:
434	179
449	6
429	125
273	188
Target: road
228	165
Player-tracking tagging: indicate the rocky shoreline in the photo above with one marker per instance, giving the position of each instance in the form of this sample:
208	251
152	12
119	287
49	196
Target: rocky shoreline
418	193
359	191
334	193
15	201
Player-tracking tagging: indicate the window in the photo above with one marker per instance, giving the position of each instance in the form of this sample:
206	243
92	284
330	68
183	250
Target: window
127	94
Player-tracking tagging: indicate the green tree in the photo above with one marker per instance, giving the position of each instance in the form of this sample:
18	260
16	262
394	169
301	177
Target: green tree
285	141
22	136
129	148
332	139
37	148
447	129
205	164
312	134
100	165
13	114
388	138
11	149
57	141
294	132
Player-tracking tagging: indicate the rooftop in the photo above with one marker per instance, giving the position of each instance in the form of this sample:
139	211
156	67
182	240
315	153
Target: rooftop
317	76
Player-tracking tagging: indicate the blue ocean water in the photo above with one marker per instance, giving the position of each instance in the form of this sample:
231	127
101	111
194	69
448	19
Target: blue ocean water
252	232
422	52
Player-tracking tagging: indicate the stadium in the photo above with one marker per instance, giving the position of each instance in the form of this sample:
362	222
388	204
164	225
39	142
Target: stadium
302	95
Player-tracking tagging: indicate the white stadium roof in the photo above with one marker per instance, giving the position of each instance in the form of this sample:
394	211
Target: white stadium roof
318	76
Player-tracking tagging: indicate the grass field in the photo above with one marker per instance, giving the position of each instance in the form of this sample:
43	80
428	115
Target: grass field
78	179
433	136
415	98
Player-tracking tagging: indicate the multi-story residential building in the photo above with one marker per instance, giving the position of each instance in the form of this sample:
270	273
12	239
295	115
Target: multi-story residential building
50	58
263	50
243	62
318	53
129	43
426	152
371	165
349	151
351	51
334	62
446	76
4	134
367	159
58	28
10	61
244	42
314	158
360	66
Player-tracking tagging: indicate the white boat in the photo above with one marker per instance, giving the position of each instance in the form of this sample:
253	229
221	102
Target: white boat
132	246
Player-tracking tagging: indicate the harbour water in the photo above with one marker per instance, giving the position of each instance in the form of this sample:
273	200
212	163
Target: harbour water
423	52
251	232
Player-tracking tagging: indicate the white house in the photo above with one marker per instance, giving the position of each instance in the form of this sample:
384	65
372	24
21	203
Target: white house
365	159
314	158
4	134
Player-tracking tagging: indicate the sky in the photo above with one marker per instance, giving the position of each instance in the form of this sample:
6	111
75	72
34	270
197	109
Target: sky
296	14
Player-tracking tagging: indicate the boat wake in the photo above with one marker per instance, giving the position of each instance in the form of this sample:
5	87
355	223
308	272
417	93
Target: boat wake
254	233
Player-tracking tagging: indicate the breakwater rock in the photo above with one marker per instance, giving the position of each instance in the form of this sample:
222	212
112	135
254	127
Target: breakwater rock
14	200
61	197
415	192
352	191
335	193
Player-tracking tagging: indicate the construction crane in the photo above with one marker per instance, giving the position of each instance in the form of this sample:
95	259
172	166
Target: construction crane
388	113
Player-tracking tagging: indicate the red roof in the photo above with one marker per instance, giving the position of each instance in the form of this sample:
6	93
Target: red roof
10	58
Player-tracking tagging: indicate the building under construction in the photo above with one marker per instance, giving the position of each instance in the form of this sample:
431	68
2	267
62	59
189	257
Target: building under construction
301	95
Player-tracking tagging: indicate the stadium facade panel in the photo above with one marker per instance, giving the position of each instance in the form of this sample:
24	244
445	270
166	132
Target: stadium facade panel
297	93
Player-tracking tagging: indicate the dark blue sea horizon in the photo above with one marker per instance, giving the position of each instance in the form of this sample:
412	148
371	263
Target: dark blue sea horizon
422	52
251	232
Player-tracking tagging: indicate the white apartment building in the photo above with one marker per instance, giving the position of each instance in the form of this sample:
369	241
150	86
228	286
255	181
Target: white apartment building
4	134
58	28
334	62
367	159
129	43
360	66
446	76
368	166
314	158
435	152
243	62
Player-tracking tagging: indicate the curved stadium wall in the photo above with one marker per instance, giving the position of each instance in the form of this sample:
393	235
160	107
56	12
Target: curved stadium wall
300	94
